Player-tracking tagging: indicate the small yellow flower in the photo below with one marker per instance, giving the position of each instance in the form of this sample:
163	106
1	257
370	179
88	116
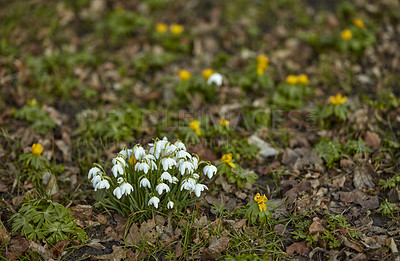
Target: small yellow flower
184	75
292	79
262	59
262	206
262	63
359	23
161	28
176	28
260	199
132	161
227	159
37	149
257	197
32	102
346	34
207	73
224	122
303	79
195	125
338	99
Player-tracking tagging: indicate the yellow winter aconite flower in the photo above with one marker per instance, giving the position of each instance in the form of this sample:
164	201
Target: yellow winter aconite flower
346	34
37	149
261	200
227	159
195	125
176	29
224	122
359	23
161	28
303	79
338	99
262	63
207	73
184	75
132	161
292	79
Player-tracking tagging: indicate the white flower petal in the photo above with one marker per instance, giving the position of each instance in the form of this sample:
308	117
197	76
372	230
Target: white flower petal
215	78
170	205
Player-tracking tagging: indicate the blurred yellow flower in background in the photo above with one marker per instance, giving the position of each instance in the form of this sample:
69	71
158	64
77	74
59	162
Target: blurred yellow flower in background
176	29
184	75
161	28
207	73
359	23
346	34
338	99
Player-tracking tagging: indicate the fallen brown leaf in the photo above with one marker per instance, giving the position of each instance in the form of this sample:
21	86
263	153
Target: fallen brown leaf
4	235
359	197
58	248
372	140
363	176
18	247
218	245
178	250
300	248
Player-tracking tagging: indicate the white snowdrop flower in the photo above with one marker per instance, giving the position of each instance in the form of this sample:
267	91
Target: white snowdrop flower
149	157
119	160
93	172
159	147
161	187
195	162
154	201
126	188
126	153
168	163
170	149
120	180
210	171
174	180
102	184
153	166
142	166
179	144
183	154
166	176
144	182
139	152
117	192
198	188
215	78
196	176
96	179
117	169
170	205
188	184
186	166
165	138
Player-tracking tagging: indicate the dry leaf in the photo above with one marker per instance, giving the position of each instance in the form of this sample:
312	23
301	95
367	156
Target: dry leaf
4	235
18	247
218	245
300	248
372	140
178	250
363	176
359	197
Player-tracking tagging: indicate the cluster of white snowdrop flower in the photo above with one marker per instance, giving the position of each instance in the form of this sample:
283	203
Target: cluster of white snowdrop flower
163	177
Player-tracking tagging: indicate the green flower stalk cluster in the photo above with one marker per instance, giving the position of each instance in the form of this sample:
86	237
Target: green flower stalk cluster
162	178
